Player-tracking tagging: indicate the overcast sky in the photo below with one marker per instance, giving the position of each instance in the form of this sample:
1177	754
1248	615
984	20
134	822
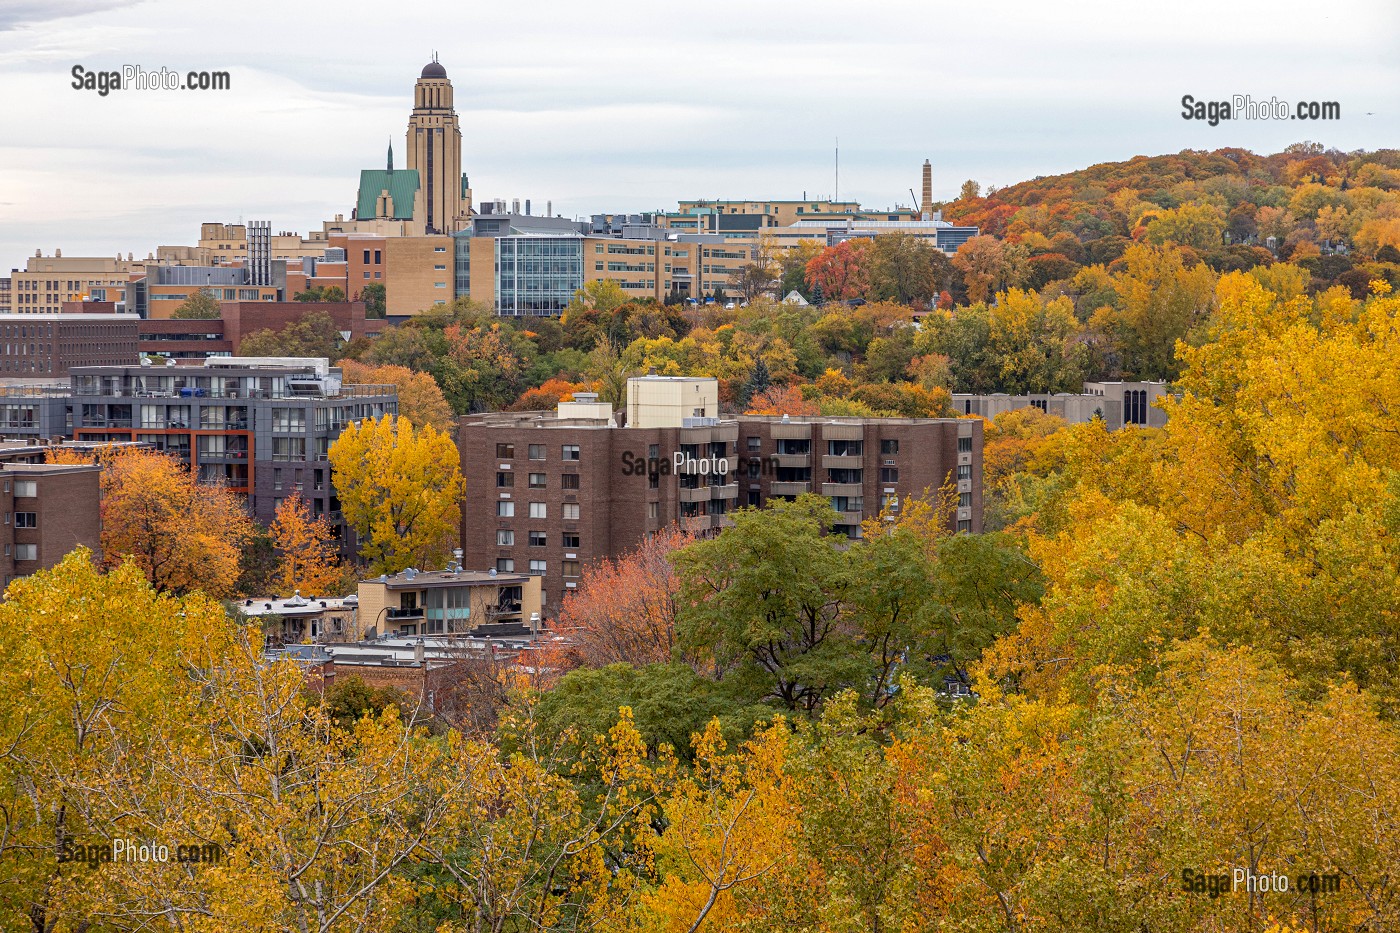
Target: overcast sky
616	105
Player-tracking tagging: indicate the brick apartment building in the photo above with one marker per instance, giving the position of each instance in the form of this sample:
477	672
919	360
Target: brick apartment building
46	510
549	492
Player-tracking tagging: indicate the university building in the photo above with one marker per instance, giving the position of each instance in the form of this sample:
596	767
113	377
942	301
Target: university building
551	491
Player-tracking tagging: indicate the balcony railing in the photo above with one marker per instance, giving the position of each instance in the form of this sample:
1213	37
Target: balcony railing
789	489
407	613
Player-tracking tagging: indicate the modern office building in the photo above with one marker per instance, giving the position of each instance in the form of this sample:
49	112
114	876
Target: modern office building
261	426
46	510
551	491
1117	403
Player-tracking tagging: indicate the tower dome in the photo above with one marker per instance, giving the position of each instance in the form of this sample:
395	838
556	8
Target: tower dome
433	70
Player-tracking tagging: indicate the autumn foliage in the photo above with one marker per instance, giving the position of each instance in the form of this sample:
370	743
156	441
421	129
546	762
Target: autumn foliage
183	535
307	550
400	489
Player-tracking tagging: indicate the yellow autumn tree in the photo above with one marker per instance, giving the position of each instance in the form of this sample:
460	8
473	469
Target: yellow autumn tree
400	488
184	536
307	549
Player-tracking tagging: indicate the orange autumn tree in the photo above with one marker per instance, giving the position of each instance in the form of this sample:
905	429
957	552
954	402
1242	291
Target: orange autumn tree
184	536
782	400
549	394
624	610
307	549
420	399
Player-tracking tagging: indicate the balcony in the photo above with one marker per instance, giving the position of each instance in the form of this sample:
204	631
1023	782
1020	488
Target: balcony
792	460
394	614
842	489
851	518
725	491
788	489
842	463
794	432
697	494
697	523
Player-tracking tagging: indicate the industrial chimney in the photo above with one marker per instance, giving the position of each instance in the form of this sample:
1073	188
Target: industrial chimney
926	203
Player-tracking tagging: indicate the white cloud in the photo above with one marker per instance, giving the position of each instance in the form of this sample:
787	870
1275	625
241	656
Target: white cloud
630	105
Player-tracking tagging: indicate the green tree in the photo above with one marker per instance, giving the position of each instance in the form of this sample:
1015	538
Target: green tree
312	335
373	296
907	269
201	306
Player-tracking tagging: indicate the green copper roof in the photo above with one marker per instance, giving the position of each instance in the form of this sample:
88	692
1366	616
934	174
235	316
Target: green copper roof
402	184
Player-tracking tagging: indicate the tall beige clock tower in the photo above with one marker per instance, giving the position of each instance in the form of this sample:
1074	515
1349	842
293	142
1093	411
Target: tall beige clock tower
443	202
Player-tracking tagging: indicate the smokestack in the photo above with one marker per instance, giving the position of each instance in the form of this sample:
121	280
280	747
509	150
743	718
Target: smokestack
527	207
926	204
549	208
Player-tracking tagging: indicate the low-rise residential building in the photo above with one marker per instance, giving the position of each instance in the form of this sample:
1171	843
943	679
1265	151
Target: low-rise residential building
298	619
451	602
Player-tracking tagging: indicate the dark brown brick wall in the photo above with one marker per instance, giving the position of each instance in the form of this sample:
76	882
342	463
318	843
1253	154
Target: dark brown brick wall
615	503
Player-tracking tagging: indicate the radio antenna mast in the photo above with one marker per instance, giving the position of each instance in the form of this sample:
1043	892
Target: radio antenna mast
838	169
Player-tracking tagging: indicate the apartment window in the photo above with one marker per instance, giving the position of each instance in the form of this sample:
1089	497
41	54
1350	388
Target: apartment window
439	249
538	539
24	487
889	475
276	478
654	452
504	565
377	257
505	509
570	568
505	451
570	511
26	552
653	480
537	481
505	480
569	481
964	525
288	420
539	510
965	500
964	471
505	537
653	510
964	445
536	451
537	566
26	519
366	257
755	444
288	448
570	452
889	446
571	539
844	448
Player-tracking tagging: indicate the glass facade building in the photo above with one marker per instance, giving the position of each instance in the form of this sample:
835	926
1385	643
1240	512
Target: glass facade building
537	275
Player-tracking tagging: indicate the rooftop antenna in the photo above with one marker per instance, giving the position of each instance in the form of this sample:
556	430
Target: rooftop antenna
838	169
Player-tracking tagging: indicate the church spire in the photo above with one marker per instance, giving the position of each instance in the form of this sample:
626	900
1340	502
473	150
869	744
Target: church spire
390	166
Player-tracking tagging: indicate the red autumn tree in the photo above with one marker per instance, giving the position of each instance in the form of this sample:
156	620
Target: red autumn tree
842	272
624	610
